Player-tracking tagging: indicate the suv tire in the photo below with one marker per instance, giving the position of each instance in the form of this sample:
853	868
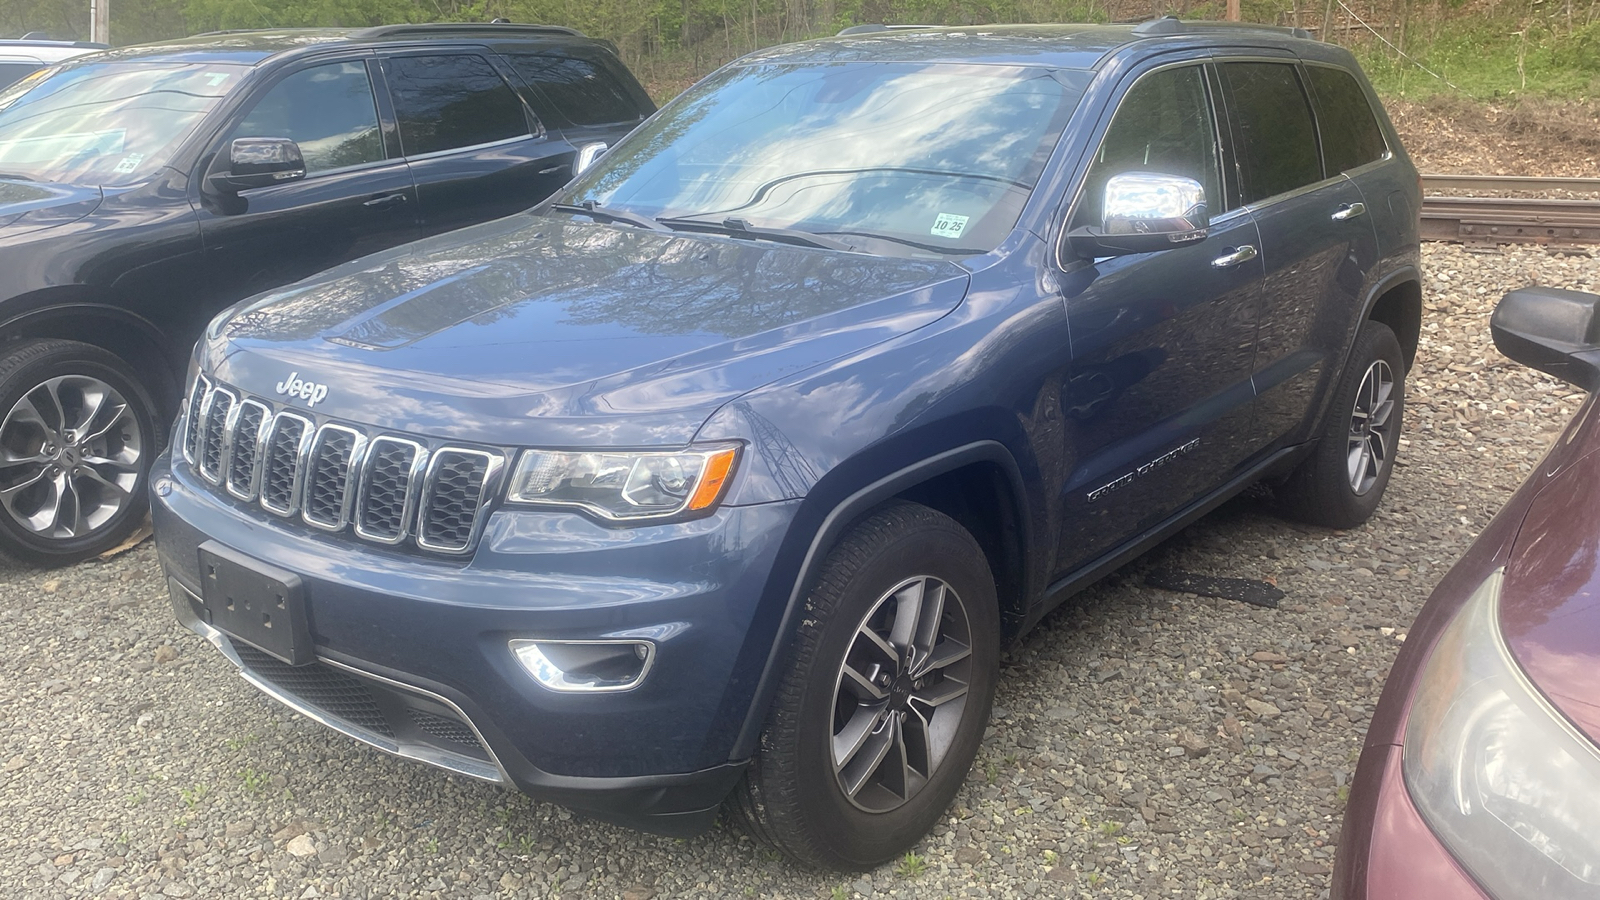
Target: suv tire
77	434
1340	484
879	589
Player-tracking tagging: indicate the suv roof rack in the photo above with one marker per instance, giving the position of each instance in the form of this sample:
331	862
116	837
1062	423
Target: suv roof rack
1174	25
431	29
39	37
878	27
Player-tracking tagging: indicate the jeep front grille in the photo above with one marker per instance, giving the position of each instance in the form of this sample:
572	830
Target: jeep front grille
333	476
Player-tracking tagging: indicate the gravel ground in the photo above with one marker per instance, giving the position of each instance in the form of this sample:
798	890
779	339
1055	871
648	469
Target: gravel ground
1146	744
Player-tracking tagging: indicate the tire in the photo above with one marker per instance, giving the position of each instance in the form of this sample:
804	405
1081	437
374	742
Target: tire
1340	484
791	796
77	434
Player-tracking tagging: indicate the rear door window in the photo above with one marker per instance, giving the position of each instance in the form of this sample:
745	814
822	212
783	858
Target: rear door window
448	102
1273	130
11	72
580	90
327	110
1350	134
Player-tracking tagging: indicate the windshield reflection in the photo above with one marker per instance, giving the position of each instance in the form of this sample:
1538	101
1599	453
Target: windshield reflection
897	158
105	123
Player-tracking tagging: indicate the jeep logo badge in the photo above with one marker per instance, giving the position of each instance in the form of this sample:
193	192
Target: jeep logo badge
309	391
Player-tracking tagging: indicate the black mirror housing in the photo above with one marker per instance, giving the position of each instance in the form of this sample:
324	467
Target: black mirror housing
1555	331
256	162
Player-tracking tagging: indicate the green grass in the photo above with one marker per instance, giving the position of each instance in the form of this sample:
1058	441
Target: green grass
1489	59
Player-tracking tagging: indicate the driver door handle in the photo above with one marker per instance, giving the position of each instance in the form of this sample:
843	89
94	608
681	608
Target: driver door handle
1349	211
386	201
1243	254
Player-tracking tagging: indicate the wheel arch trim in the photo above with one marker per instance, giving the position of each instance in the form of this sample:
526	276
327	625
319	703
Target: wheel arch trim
828	532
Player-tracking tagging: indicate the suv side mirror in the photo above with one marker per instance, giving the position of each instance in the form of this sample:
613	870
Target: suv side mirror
1144	212
259	162
1552	330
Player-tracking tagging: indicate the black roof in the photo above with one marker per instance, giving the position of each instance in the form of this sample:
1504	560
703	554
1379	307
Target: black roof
249	47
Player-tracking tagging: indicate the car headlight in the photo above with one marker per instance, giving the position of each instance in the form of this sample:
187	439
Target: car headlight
625	485
1509	785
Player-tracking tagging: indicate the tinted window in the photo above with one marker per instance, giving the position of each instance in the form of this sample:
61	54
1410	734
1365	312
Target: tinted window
446	102
1277	141
1163	125
11	71
582	91
327	110
1350	134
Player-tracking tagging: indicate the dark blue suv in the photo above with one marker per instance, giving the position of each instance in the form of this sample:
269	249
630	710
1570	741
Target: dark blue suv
722	478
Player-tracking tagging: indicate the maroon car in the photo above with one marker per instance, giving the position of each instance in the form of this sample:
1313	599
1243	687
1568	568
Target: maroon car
1480	776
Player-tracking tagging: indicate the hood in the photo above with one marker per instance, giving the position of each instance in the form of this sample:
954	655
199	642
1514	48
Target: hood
29	206
1550	602
541	330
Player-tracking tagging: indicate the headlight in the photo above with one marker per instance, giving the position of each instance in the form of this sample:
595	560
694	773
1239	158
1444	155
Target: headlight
1505	782
625	485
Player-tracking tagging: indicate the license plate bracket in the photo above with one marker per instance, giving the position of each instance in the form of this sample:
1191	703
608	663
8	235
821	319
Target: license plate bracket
260	604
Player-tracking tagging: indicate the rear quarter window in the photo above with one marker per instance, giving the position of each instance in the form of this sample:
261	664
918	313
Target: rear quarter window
12	71
1351	137
581	90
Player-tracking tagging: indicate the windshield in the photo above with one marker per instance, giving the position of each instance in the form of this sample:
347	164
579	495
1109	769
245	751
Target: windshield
890	158
105	123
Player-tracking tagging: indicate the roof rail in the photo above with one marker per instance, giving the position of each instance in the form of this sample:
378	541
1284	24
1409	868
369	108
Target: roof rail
1174	25
879	28
39	37
430	29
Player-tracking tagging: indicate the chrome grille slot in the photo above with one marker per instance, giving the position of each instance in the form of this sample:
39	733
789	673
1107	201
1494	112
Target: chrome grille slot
195	415
391	489
250	423
214	433
386	501
330	469
281	472
454	491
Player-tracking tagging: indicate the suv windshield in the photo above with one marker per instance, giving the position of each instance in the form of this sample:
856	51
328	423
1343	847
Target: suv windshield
891	158
105	123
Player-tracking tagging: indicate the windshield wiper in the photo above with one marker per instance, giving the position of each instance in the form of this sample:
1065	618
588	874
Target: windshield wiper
740	228
609	214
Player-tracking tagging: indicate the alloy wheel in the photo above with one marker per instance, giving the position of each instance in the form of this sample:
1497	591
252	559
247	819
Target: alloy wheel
900	694
1370	446
70	456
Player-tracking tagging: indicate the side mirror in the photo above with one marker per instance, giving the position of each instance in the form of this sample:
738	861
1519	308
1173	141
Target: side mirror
587	154
1552	330
260	162
1144	212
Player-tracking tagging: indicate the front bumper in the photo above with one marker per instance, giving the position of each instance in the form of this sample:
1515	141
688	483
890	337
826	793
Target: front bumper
1386	850
412	652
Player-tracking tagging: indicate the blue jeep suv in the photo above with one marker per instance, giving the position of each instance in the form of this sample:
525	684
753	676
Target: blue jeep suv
722	478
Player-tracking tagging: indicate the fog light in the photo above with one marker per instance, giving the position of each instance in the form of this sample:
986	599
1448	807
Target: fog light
586	666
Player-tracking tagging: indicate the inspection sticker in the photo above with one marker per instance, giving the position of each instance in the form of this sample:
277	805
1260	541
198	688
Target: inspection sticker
949	226
128	163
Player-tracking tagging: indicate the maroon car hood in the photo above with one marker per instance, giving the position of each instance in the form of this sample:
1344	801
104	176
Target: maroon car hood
1550	606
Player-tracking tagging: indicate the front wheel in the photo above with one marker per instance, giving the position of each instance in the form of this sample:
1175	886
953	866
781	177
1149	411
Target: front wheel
76	441
878	720
1340	484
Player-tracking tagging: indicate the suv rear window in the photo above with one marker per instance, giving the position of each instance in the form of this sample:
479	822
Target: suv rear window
12	71
449	102
1277	140
582	91
1350	135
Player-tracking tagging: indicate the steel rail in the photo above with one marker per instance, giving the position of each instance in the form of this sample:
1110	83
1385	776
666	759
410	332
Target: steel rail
1490	221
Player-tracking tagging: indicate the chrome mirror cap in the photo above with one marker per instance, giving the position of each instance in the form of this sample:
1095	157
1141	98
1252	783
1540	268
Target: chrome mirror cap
1155	204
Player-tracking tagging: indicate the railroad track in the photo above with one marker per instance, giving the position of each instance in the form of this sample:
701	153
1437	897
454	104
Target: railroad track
1489	221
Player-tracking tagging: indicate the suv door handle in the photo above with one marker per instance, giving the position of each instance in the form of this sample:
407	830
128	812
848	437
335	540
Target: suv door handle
1349	211
1243	254
551	170
386	201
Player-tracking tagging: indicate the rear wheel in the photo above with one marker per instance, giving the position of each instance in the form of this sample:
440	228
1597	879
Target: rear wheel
1340	484
881	713
76	441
